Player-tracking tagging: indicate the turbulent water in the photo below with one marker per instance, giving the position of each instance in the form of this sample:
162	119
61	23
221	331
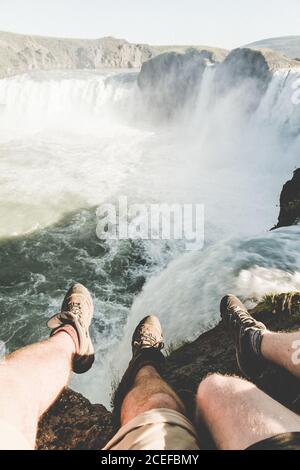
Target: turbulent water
72	141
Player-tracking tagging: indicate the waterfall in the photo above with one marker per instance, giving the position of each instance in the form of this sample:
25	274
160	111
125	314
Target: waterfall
77	101
70	141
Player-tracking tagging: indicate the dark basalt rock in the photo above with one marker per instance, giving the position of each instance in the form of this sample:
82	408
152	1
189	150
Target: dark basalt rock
290	202
74	423
170	79
247	70
245	64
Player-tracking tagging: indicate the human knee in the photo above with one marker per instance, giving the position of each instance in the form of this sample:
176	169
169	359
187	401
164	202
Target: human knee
165	400
211	389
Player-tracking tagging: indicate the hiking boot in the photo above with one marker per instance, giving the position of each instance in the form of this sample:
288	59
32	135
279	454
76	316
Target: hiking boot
147	343
148	334
77	310
247	333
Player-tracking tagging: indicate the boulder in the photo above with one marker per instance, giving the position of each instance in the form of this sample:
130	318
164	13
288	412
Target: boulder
168	80
290	202
249	73
246	72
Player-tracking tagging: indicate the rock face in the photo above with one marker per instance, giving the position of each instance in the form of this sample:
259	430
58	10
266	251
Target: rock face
244	65
74	423
251	71
168	80
217	54
20	54
23	53
290	202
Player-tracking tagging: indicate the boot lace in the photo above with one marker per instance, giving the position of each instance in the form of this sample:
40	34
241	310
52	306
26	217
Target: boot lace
75	309
147	339
241	320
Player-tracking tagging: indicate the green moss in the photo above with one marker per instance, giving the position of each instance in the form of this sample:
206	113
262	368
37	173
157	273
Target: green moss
279	303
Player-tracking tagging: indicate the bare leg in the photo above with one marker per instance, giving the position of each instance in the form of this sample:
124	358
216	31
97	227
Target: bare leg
30	381
283	349
239	415
149	392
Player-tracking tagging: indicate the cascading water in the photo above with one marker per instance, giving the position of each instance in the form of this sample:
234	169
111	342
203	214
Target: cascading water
70	141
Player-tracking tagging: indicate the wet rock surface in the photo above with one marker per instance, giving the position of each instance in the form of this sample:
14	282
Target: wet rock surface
290	202
169	80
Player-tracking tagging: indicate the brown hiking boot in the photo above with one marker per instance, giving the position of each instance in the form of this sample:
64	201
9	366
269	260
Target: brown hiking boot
147	343
148	334
247	333
77	310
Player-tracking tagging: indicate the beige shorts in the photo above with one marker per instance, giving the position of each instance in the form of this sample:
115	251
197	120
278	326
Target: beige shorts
160	429
11	438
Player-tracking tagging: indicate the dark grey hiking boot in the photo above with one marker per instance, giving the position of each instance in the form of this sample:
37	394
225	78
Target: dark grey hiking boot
77	310
247	333
147	343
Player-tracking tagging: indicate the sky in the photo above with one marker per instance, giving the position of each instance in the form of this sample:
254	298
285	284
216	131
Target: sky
223	23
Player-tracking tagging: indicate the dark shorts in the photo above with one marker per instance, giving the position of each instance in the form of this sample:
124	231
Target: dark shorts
287	441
